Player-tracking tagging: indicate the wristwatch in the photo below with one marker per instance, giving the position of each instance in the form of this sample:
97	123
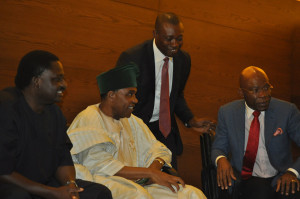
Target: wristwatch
71	182
160	161
187	124
142	181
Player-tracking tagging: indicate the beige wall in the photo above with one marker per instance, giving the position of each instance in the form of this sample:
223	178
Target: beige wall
222	36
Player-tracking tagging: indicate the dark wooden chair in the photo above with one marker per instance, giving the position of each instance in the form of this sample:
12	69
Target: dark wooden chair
209	173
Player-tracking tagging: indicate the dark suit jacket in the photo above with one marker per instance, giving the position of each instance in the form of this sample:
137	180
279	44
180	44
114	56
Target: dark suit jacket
230	134
143	56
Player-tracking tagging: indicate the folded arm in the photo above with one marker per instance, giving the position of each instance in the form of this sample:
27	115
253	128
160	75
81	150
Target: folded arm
63	192
156	176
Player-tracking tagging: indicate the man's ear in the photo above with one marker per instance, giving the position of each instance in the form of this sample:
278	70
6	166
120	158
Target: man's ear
111	94
36	82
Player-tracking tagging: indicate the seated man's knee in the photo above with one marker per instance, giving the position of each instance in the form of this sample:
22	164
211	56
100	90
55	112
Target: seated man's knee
102	192
143	193
93	190
10	191
137	191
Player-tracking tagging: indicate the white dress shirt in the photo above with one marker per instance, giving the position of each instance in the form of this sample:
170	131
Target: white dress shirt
262	166
159	62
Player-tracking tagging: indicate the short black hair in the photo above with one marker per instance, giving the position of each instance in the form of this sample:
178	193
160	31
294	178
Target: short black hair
103	96
32	65
168	17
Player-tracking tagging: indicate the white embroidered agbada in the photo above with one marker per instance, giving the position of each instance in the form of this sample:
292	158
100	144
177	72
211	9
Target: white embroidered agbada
102	146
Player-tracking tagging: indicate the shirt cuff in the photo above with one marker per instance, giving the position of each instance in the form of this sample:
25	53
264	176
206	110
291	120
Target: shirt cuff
220	156
294	172
112	168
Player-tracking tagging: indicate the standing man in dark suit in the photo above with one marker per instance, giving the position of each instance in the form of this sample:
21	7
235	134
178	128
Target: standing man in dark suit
151	57
262	162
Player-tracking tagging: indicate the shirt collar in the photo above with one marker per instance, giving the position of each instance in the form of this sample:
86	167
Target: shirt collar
249	111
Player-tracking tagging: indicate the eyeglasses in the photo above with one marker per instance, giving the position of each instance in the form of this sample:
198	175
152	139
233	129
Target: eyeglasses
267	88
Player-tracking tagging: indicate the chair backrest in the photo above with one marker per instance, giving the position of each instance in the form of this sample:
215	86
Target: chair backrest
209	173
205	144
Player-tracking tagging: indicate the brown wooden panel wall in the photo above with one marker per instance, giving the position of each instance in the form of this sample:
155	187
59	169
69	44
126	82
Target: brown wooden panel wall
222	36
296	67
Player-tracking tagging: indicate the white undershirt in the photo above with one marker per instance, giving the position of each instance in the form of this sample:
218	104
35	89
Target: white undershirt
159	62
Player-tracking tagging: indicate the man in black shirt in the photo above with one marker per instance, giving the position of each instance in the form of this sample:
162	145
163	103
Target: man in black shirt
35	157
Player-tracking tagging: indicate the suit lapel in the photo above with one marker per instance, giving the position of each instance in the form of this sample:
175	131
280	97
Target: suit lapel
239	121
149	69
176	76
269	123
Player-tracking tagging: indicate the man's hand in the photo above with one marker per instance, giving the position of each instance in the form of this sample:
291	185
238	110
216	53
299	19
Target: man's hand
65	192
155	176
286	182
48	192
203	125
164	179
224	173
74	190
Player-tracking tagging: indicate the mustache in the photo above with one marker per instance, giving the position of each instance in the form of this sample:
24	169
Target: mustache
62	88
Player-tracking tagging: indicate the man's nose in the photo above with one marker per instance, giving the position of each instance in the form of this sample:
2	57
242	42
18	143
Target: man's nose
64	84
174	43
135	100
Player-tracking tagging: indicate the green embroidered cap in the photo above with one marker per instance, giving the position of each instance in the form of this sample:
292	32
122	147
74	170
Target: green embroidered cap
118	78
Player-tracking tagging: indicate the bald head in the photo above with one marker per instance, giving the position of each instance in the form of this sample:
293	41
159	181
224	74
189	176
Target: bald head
252	73
168	17
255	88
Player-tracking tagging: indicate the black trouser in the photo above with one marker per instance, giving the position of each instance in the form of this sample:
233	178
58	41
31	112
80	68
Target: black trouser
260	188
257	188
254	188
170	141
91	191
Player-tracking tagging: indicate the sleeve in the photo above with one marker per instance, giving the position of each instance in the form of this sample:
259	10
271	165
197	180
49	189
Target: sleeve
181	108
9	141
294	132
65	155
149	147
65	143
221	143
123	59
92	148
98	160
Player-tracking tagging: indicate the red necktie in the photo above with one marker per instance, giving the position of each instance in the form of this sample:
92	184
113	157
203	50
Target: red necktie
252	146
164	110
